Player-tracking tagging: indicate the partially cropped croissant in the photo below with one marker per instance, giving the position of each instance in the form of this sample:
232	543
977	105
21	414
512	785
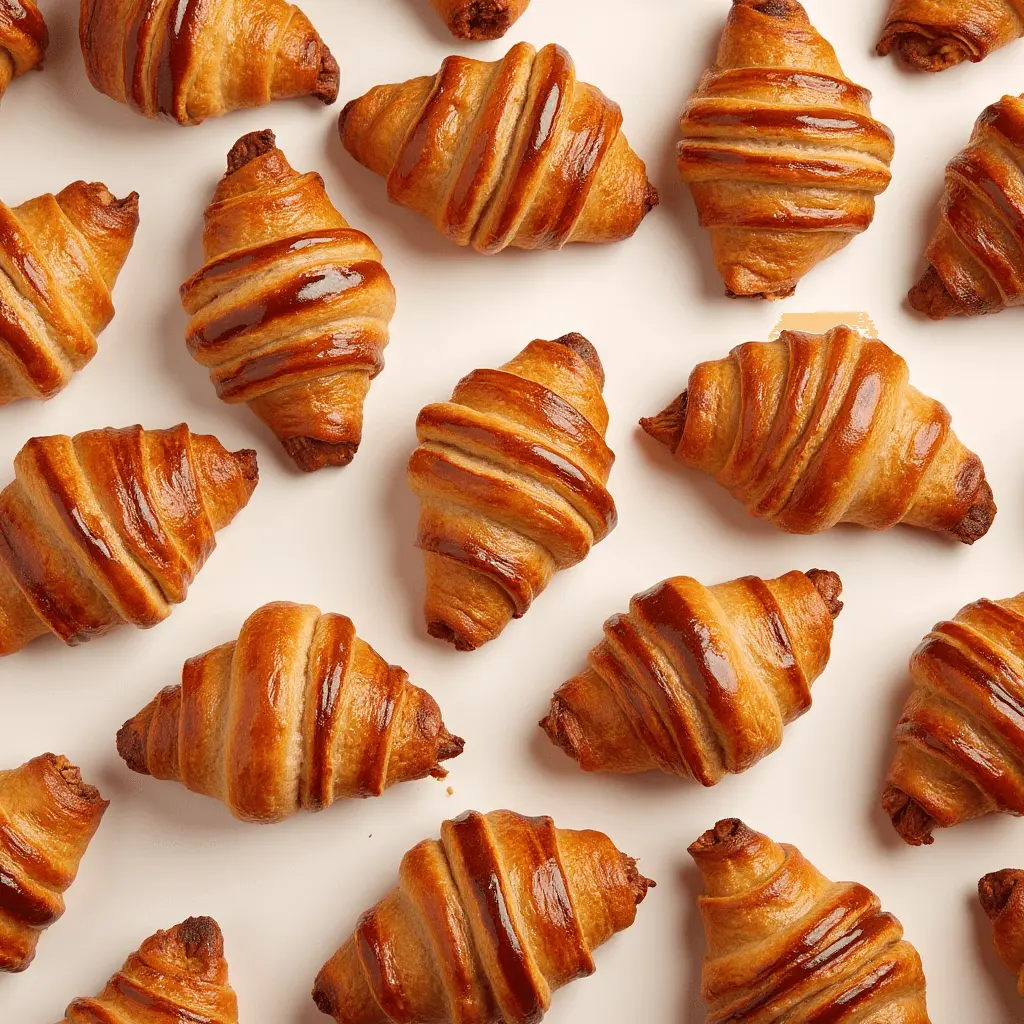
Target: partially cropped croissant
59	258
1002	896
111	526
23	39
484	925
976	255
189	61
291	312
813	430
699	681
480	19
787	944
960	740
511	475
175	976
780	150
296	713
515	152
48	816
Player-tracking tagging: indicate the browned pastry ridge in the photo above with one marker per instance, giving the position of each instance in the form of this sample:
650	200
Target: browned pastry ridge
59	259
111	526
515	152
699	681
780	150
177	975
976	256
23	40
480	19
48	816
813	430
290	313
787	944
1002	896
960	740
511	474
189	61
296	713
484	925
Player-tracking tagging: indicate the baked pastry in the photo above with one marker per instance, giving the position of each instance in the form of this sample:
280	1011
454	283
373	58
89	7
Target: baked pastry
976	256
698	681
786	943
960	740
1002	897
59	258
932	35
296	713
514	152
484	925
48	816
177	975
480	19
813	430
191	61
23	40
511	475
111	526
780	151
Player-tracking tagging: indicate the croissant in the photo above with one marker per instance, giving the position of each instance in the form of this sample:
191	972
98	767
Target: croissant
23	39
296	713
48	815
480	19
1002	896
960	740
780	151
59	258
511	475
177	975
512	152
813	430
698	681
484	925
111	526
786	943
189	61
976	256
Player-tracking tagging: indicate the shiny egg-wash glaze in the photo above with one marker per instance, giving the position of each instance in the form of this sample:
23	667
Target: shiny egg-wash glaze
23	40
480	19
1001	894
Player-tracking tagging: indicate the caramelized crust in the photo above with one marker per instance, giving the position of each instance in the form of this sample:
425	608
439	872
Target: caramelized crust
23	40
1002	896
480	19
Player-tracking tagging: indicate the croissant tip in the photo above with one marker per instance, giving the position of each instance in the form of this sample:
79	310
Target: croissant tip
311	454
651	198
323	996
249	147
71	775
637	882
131	744
830	586
248	465
996	888
559	725
328	82
201	938
980	515
343	117
931	297
449	747
911	821
727	836
667	427
772	8
441	630
575	342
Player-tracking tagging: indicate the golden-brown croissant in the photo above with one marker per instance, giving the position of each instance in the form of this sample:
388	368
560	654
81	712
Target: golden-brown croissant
480	19
59	258
111	526
48	816
511	475
976	256
787	944
484	925
290	313
296	713
813	430
189	60
512	152
175	976
960	740
780	150
699	681
23	39
1002	896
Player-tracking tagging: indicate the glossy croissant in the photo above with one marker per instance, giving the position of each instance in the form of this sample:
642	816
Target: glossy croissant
191	61
511	474
780	151
1002	897
960	739
784	943
813	430
976	256
515	152
480	19
111	526
176	975
290	313
23	40
296	713
59	259
696	681
48	817
484	925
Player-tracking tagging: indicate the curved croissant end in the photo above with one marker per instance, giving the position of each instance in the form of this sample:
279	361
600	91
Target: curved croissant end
480	19
515	152
813	430
959	739
484	925
1002	896
786	943
23	40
